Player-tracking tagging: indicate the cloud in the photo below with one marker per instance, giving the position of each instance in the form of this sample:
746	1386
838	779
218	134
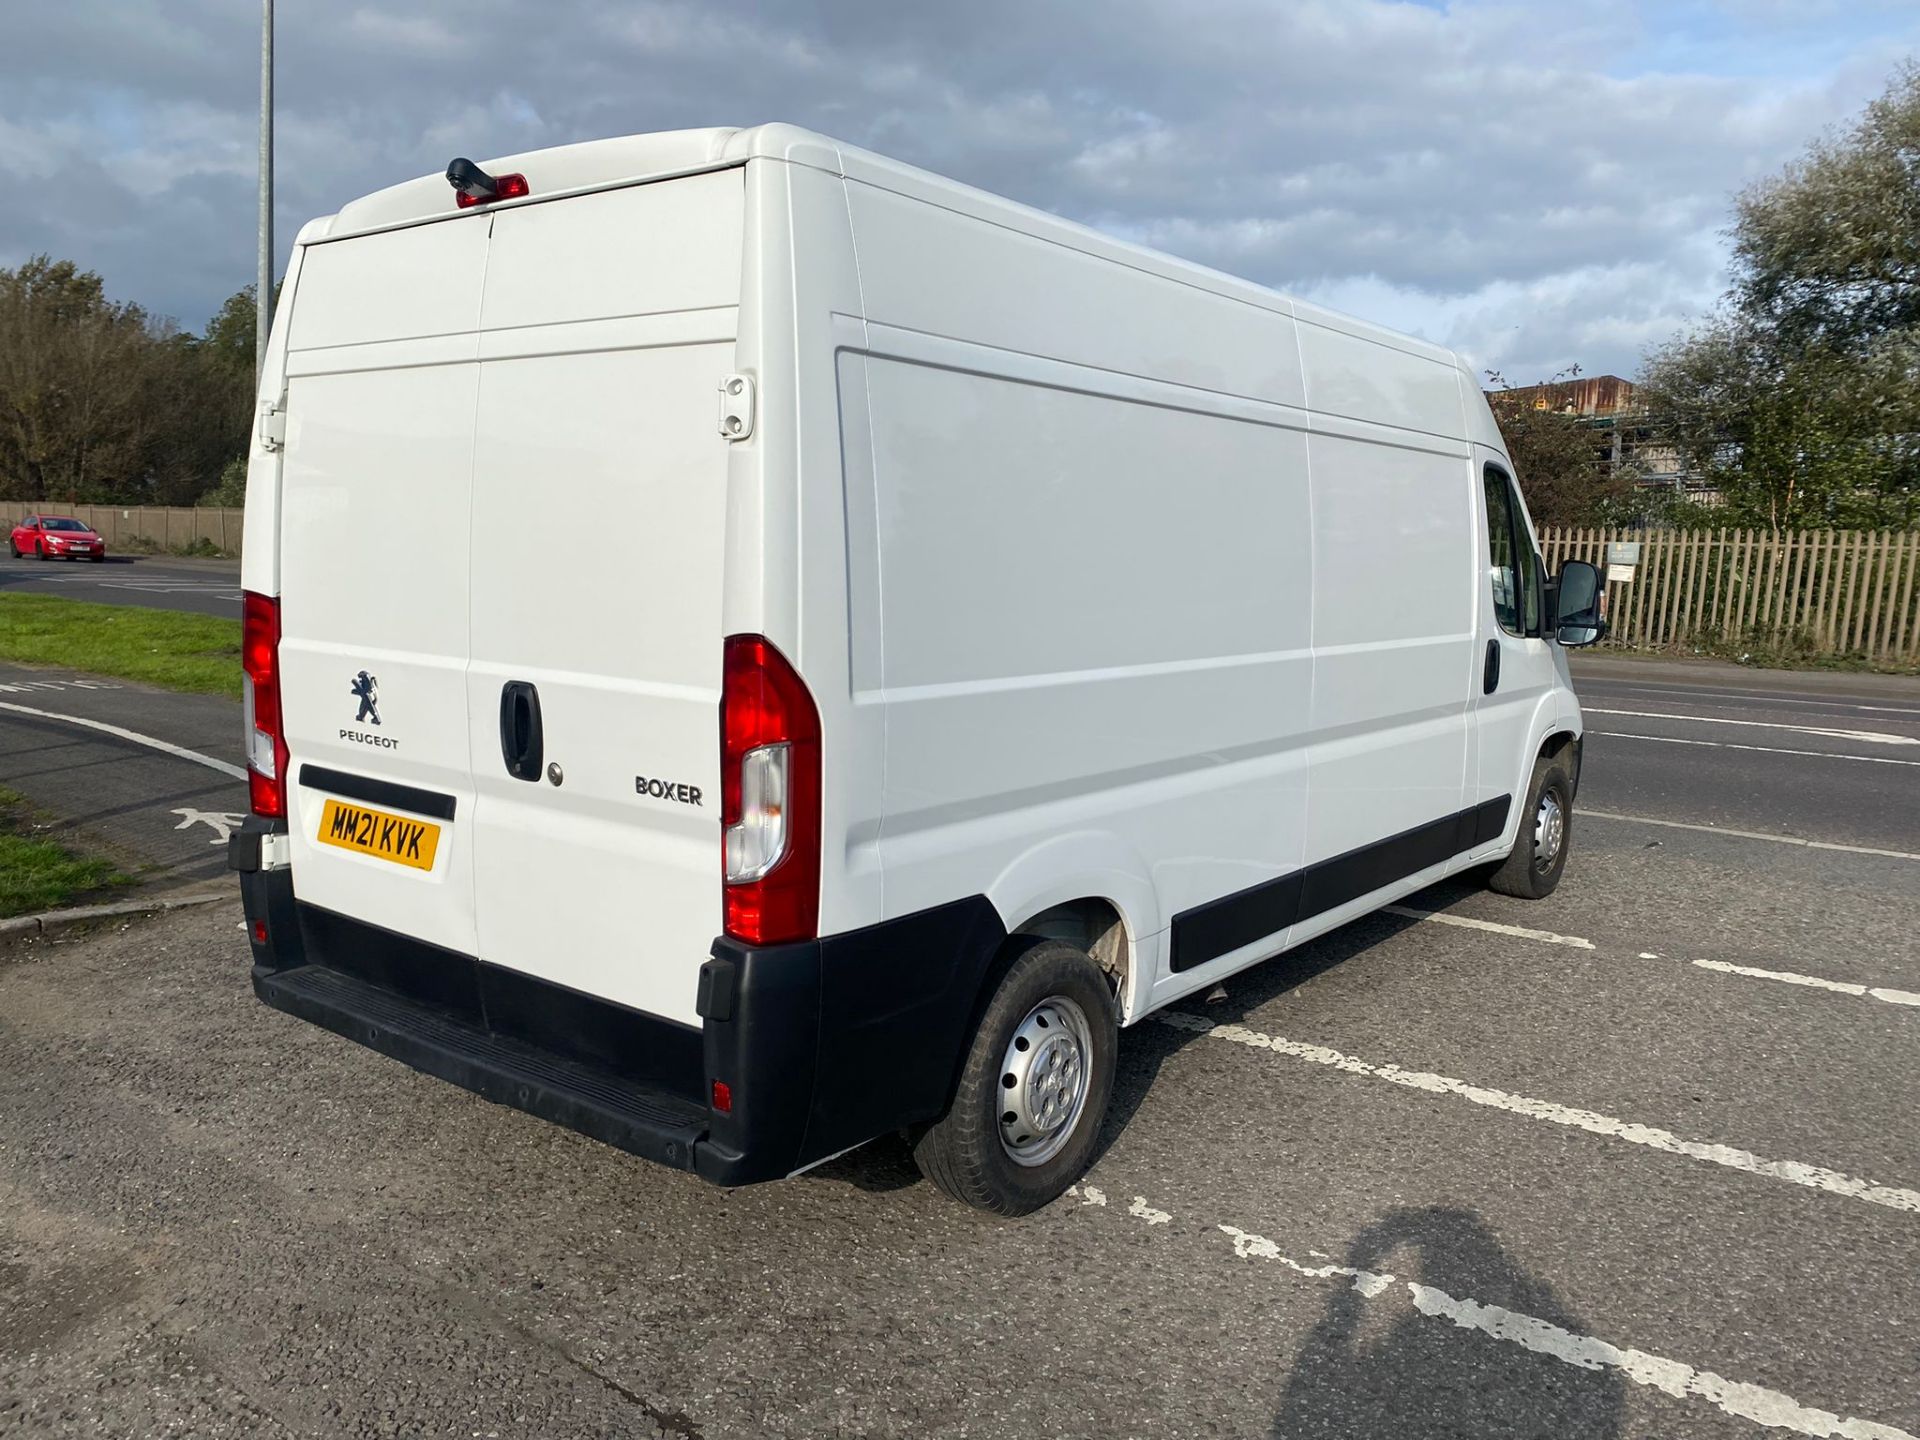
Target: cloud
1536	185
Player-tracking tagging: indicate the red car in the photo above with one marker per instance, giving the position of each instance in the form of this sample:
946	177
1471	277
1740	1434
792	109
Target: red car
56	537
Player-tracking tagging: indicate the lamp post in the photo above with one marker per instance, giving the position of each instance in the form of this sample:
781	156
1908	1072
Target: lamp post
263	282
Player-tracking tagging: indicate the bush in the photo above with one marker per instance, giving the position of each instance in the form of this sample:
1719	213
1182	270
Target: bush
231	492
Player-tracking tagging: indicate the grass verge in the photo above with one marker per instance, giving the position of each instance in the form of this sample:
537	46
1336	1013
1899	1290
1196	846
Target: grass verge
170	648
37	874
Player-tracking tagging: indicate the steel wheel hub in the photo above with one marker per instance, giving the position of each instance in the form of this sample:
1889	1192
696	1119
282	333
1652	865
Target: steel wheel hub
1043	1080
1549	831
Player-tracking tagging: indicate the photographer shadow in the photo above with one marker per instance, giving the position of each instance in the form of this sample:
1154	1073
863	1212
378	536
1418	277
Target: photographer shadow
1378	1366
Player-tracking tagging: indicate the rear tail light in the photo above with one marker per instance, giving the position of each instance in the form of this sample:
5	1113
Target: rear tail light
260	704
769	796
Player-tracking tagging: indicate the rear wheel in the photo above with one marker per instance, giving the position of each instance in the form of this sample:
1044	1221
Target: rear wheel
14	546
1539	853
1034	1087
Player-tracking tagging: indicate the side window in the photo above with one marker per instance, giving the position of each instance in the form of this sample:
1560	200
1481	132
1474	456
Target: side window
1501	568
1518	595
1531	596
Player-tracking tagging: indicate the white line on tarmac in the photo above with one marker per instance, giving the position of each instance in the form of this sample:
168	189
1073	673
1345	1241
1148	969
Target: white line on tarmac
179	750
1814	1177
1772	1408
1873	737
1467	922
1763	749
1723	967
1748	834
1764	1406
1788	977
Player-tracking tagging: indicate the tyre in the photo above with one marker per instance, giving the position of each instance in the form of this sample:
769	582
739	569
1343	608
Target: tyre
13	547
1539	854
45	554
1033	1089
98	557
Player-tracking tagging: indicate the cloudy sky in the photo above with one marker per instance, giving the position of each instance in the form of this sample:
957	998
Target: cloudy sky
1538	185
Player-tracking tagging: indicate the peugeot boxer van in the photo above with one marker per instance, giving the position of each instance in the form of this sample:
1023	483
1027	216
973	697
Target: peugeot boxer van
751	647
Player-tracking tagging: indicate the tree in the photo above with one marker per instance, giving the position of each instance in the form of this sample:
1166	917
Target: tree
1556	458
1800	399
100	401
70	422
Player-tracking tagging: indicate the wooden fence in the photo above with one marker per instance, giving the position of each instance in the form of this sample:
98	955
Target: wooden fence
168	526
1819	592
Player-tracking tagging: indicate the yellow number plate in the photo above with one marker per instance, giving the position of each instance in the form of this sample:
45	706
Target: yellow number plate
376	833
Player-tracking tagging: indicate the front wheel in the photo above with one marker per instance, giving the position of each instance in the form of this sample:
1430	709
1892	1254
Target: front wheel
1034	1087
1539	853
45	554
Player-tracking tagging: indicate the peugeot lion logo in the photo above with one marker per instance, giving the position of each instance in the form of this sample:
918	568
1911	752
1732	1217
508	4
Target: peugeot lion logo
367	691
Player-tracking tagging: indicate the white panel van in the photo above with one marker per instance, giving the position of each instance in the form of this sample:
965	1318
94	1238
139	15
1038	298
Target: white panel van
751	646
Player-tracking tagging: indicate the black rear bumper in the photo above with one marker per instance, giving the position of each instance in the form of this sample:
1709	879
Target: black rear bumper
646	1120
822	1045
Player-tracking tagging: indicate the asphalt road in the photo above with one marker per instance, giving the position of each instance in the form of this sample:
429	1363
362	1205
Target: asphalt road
211	587
1639	1160
86	754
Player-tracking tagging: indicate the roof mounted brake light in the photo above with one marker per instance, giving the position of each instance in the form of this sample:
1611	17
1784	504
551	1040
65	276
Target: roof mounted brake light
474	186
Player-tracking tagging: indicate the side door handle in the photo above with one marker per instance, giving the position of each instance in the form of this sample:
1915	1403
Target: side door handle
520	739
1490	677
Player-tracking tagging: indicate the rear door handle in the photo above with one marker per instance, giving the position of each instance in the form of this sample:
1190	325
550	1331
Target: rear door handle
520	739
1490	678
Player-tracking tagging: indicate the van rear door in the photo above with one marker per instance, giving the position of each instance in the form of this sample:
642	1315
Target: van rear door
599	510
382	380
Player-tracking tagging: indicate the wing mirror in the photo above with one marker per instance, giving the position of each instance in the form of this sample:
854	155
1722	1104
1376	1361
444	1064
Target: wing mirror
1579	605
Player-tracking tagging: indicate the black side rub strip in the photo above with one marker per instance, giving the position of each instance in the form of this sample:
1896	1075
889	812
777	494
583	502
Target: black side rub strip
1208	931
378	792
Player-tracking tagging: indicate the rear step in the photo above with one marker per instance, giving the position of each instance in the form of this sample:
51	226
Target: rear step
648	1122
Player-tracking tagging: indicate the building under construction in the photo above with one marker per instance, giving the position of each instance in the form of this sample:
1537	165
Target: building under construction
1625	437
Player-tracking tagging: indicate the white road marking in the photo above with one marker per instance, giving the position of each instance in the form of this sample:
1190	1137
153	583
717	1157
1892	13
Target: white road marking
222	822
1788	977
1140	1210
1772	1408
1577	942
1874	737
1246	1246
1749	835
27	687
1758	1403
1545	937
1762	749
179	750
1815	1177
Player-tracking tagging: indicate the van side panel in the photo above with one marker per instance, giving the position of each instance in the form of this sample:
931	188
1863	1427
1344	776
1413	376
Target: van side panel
1393	636
1092	574
1393	641
785	488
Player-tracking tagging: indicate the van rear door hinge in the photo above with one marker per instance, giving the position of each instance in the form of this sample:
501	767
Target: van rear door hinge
736	407
273	426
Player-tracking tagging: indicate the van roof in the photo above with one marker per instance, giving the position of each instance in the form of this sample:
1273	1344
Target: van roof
589	165
632	159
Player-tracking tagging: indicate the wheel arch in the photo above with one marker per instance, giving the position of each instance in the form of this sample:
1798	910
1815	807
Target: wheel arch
1091	891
